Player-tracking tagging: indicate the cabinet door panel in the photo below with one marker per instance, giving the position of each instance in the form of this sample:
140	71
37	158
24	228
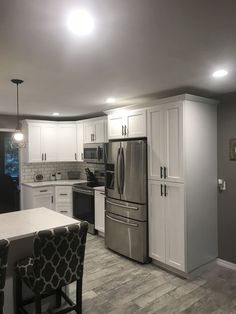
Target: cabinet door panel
175	226
89	129
49	142
80	142
136	123
156	222
99	210
99	133
115	123
34	143
155	142
174	142
67	142
45	200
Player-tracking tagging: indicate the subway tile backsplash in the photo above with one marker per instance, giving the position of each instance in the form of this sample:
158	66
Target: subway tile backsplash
28	170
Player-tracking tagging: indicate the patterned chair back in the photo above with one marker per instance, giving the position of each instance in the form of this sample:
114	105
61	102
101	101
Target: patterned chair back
58	256
4	245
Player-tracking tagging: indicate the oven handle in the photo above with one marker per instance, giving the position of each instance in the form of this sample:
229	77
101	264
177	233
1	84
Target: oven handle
123	206
76	190
122	222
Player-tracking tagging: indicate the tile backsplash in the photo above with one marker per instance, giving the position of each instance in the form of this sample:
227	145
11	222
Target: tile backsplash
28	170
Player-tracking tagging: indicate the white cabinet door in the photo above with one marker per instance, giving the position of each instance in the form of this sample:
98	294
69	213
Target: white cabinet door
49	142
156	143
156	221
67	142
115	126
99	133
89	131
136	123
175	225
44	200
34	142
99	210
174	141
80	141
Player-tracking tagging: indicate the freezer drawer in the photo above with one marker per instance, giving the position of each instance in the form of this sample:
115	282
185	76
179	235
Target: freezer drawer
127	237
126	209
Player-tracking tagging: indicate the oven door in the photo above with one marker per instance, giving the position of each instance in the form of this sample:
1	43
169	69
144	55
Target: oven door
83	205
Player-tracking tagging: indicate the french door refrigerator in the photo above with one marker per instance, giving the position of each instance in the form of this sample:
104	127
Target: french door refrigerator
126	227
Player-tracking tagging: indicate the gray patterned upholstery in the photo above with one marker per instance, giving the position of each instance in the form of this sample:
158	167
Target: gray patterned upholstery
57	260
4	245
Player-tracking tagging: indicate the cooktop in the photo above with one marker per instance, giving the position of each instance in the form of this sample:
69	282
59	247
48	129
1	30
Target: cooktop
89	184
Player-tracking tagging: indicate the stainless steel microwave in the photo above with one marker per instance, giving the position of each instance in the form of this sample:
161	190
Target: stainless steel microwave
95	152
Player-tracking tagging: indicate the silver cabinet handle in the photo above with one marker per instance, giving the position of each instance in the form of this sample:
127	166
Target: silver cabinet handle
102	193
82	156
123	206
63	194
43	191
63	211
122	222
42	156
75	156
45	156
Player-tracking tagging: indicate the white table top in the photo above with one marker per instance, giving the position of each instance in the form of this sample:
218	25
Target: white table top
24	223
53	183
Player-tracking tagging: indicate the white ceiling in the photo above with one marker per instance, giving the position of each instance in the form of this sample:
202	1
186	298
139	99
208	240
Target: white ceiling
138	47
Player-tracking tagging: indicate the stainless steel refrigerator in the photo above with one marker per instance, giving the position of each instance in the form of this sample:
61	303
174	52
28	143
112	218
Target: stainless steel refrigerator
126	199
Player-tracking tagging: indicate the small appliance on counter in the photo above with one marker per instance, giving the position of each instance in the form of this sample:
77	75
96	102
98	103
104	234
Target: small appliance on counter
58	175
52	177
38	177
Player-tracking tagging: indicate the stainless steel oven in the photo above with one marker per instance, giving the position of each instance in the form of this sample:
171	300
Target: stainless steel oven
95	152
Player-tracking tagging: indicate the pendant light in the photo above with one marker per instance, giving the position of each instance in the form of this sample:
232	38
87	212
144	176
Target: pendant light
18	138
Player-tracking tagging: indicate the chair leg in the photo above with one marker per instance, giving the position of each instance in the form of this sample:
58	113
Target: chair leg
37	302
18	290
79	296
58	298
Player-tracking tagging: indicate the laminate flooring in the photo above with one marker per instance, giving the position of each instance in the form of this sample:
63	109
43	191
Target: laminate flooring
114	284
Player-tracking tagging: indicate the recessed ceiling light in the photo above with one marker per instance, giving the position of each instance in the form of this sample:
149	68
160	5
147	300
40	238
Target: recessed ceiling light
80	22
56	114
110	100
220	73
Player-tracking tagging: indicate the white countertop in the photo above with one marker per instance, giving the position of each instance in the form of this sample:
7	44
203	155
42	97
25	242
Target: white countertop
53	183
25	223
100	188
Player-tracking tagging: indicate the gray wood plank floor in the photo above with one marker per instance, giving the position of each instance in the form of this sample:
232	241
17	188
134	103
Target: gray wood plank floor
114	284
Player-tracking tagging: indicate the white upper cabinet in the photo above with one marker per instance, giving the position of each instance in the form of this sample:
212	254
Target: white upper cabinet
136	124
127	124
41	141
80	141
95	130
33	151
165	137
116	124
67	146
49	142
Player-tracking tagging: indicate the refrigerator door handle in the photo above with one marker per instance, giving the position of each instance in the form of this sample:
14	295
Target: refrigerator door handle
118	170
123	206
122	170
122	222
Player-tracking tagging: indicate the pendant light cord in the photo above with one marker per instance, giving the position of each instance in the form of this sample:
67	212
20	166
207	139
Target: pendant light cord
17	108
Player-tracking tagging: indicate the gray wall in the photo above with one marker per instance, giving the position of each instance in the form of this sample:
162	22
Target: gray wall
227	171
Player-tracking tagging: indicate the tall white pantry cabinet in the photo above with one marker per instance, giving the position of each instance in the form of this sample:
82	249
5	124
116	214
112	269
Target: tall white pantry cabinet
182	175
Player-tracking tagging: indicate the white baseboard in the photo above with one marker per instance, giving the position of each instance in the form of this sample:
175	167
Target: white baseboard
226	264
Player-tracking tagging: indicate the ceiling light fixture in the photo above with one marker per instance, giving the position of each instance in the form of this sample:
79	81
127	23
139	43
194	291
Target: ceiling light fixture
220	73
56	114
110	100
80	22
18	138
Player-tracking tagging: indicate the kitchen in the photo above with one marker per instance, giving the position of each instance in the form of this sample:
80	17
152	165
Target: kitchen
149	173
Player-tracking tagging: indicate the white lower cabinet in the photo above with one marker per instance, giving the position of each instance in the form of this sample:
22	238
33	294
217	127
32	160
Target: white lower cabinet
38	197
99	211
58	198
167	223
63	200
